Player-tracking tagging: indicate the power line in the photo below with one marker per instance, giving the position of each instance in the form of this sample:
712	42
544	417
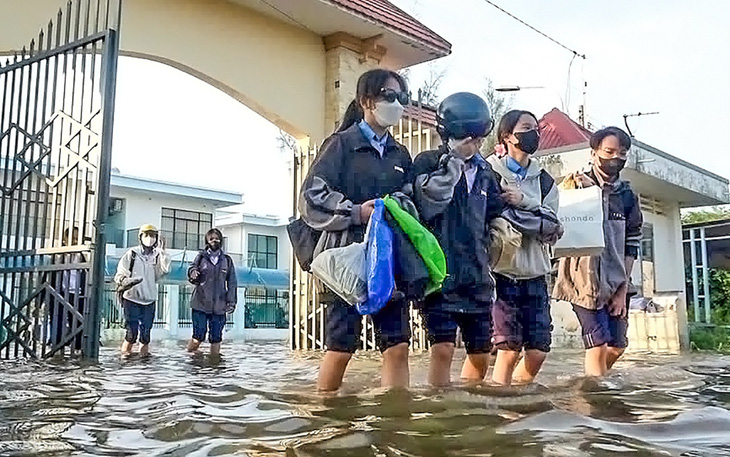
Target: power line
575	53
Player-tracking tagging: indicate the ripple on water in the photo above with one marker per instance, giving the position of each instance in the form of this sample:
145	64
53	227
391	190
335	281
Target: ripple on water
258	400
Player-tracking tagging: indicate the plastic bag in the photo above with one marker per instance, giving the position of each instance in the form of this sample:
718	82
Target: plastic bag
424	241
380	279
344	271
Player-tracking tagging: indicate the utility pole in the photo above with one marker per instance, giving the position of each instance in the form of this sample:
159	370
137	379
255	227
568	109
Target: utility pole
582	115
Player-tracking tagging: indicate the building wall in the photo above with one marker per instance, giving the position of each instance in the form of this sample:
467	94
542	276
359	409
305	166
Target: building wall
213	40
146	208
237	238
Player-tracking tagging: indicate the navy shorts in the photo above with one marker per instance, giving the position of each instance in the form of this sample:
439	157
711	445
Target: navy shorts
204	323
521	315
442	323
343	325
599	327
138	320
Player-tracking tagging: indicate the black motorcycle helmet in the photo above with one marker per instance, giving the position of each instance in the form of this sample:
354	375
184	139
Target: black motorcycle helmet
463	115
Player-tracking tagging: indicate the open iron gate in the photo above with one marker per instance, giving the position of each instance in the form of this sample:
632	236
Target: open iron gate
56	117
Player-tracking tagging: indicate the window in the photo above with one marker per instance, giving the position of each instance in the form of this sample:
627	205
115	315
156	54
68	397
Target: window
262	251
647	242
185	229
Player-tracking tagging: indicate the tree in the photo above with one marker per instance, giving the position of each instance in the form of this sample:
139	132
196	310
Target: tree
430	88
432	85
499	106
713	213
286	142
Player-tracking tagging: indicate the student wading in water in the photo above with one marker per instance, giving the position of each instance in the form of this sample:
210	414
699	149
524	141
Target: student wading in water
599	286
457	195
521	314
215	295
138	271
358	164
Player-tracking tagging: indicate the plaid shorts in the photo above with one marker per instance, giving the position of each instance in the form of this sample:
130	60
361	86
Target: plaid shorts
521	315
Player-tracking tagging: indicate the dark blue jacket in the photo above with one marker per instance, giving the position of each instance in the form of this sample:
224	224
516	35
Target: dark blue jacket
216	286
460	220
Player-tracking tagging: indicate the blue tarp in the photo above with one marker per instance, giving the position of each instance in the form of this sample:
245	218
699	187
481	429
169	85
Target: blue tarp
247	277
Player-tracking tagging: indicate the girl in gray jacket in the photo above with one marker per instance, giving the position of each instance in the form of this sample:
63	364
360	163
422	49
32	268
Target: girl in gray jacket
521	313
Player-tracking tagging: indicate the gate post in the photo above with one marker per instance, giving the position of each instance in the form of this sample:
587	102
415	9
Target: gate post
239	316
109	86
173	310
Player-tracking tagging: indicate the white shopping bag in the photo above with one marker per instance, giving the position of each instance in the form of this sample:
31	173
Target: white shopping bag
581	213
344	271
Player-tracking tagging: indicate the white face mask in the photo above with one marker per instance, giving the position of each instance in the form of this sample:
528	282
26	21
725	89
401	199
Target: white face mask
388	114
148	241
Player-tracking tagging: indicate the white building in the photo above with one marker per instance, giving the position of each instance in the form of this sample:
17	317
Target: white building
258	245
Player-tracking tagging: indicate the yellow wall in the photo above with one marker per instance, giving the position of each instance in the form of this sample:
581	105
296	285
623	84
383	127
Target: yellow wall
275	69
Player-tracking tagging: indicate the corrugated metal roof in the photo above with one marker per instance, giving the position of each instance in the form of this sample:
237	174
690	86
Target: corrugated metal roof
391	16
558	130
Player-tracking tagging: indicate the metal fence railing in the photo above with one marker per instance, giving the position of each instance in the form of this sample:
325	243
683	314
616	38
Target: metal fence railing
113	315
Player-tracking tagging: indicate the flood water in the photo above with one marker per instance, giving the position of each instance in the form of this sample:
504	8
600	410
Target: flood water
259	401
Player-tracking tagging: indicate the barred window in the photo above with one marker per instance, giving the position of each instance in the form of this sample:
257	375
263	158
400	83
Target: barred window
263	251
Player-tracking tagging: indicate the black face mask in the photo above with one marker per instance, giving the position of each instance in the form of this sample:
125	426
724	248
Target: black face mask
214	245
528	141
610	167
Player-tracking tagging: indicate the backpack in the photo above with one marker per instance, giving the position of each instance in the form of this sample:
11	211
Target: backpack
121	289
546	183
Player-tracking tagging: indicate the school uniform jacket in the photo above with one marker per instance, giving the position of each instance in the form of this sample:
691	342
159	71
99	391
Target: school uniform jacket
459	218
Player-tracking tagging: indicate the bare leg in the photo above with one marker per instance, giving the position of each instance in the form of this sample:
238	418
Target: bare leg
193	345
475	367
505	366
127	347
595	362
215	349
612	355
395	371
439	369
144	349
529	366
332	370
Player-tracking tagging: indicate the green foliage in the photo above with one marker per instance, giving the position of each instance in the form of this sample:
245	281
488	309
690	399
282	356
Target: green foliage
710	339
713	213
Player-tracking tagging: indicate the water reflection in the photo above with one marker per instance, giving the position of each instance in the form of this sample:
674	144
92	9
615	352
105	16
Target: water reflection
258	400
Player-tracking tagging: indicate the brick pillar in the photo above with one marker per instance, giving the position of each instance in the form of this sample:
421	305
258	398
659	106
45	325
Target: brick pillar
346	58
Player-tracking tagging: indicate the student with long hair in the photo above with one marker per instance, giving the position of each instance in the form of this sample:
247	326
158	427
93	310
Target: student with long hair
358	164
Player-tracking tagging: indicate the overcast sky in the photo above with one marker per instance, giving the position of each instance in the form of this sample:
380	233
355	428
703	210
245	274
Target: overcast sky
654	55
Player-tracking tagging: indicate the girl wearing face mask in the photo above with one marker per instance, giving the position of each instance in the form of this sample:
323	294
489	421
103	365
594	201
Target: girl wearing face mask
215	295
359	163
521	313
599	286
138	271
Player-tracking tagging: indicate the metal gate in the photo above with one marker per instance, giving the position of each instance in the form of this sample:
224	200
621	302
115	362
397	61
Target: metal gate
307	313
56	116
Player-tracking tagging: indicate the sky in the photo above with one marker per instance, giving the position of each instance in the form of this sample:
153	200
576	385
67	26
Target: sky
668	56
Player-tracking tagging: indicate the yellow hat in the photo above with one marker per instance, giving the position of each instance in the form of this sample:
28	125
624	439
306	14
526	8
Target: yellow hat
147	228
